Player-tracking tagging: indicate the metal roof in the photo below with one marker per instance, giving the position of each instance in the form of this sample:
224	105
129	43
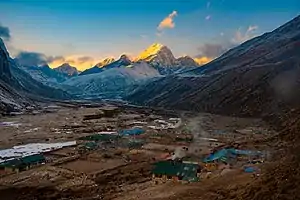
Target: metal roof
171	168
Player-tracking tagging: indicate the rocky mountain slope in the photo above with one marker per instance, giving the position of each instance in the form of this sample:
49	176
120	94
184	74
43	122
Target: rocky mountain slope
111	83
44	74
10	98
107	63
67	70
30	86
162	58
17	88
156	55
255	78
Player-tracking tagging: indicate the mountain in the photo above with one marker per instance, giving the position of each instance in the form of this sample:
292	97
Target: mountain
123	61
10	99
105	62
18	88
258	77
186	61
98	67
162	58
276	46
67	70
108	63
158	54
44	74
5	73
32	87
113	82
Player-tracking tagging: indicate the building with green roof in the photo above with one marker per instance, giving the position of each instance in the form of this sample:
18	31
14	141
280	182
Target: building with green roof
167	170
91	145
20	164
101	137
33	159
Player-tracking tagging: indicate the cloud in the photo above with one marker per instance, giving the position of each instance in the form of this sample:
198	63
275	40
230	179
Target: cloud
168	21
159	34
203	60
84	59
31	58
212	50
208	4
37	59
144	36
241	37
208	17
223	43
81	62
5	32
55	59
252	28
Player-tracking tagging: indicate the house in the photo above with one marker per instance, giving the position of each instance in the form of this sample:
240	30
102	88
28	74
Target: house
33	160
101	137
133	131
135	144
223	155
90	145
21	164
227	155
109	111
10	166
177	171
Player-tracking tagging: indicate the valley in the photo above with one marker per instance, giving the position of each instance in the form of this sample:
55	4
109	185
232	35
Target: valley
220	125
121	167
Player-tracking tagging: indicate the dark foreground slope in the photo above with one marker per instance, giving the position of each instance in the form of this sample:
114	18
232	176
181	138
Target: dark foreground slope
257	77
16	86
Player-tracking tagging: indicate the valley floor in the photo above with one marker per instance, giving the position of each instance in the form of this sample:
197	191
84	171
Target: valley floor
117	170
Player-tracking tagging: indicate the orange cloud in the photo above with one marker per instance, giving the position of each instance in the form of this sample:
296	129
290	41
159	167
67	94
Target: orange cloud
203	60
168	21
78	61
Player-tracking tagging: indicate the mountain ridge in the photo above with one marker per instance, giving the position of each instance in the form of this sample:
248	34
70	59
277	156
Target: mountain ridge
107	63
67	70
257	77
18	88
157	55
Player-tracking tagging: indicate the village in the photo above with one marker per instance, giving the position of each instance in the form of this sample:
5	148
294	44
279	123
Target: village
113	148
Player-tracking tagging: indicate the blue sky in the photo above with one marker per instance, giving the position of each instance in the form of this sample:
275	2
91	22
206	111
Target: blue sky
102	28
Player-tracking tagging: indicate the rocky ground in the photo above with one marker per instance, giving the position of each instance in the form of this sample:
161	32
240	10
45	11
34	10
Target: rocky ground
115	171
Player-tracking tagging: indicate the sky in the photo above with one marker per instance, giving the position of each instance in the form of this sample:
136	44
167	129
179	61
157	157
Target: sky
83	32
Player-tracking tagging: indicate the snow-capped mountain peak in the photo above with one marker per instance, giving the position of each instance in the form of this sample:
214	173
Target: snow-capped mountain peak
152	50
67	69
104	62
108	63
124	58
158	54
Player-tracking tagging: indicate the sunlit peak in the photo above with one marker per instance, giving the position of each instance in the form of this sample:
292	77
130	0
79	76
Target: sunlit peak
150	51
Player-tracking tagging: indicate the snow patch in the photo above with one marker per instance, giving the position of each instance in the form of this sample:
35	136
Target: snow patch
31	149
